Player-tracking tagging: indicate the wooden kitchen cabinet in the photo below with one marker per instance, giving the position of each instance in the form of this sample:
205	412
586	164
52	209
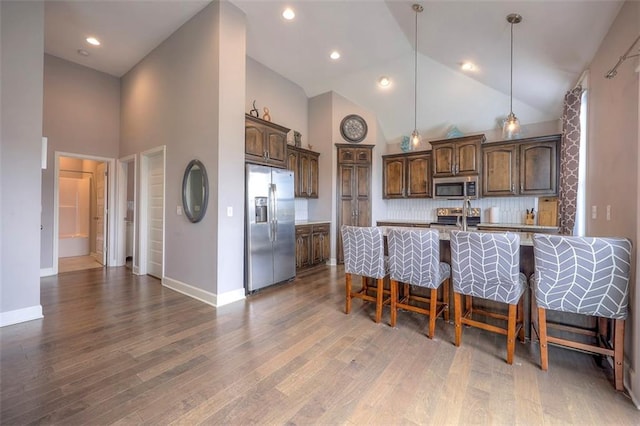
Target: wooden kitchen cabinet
304	164
353	189
406	175
457	156
312	245
265	142
528	167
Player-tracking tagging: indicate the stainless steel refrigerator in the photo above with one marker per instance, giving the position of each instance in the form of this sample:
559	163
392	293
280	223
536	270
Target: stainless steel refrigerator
270	226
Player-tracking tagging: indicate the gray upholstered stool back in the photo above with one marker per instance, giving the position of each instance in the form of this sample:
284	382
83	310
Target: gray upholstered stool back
414	257
582	275
363	251
487	265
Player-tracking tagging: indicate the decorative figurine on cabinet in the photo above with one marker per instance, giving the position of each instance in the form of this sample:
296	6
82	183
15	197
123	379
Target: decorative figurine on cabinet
266	116
254	112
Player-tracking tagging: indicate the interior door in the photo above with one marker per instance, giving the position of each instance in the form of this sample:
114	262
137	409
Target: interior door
101	223
155	215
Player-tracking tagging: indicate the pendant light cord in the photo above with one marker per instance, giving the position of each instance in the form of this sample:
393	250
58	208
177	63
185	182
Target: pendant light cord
511	75
415	79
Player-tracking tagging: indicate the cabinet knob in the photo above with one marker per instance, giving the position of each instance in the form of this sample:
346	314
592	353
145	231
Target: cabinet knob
521	188
513	188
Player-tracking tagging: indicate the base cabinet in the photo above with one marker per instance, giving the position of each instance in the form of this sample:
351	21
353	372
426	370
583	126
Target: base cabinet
312	245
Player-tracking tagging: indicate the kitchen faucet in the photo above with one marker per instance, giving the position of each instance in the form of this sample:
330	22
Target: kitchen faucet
466	211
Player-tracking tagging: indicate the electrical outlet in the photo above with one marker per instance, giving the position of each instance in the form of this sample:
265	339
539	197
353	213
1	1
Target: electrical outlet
608	212
594	212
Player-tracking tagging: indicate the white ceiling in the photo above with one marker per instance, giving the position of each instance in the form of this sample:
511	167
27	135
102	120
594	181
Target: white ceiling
552	46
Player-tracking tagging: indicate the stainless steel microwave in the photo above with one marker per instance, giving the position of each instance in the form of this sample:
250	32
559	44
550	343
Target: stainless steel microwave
456	188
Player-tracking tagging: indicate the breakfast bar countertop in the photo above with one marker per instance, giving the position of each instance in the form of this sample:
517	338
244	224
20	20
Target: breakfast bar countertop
311	222
533	228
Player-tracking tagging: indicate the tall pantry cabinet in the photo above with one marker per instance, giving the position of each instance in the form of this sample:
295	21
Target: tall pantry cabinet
353	189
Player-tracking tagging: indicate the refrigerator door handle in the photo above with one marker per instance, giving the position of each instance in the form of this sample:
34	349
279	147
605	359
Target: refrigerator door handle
275	211
270	212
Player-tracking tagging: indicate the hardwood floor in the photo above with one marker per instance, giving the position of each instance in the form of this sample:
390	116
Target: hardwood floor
78	263
115	348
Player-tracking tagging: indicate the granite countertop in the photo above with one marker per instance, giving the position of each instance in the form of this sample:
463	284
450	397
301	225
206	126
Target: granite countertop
311	222
408	222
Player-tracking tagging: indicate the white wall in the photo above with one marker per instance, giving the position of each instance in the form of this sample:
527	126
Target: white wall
21	64
188	95
81	116
287	102
612	159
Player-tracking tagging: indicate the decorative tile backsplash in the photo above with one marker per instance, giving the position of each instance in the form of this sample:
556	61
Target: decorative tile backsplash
302	209
512	209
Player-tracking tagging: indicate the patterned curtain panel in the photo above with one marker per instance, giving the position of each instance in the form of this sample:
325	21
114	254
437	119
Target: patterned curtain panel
569	160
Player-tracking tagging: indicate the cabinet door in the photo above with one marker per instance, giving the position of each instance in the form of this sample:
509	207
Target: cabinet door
318	243
443	159
418	183
467	159
393	177
254	141
303	246
292	164
303	173
314	175
539	168
362	200
277	148
500	176
326	245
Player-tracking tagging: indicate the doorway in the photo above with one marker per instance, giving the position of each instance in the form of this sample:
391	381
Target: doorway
126	222
82	193
152	207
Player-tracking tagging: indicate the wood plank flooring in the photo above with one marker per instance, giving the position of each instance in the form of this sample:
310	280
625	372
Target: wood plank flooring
114	348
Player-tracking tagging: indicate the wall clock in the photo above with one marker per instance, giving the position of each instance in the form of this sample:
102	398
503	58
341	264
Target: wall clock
353	128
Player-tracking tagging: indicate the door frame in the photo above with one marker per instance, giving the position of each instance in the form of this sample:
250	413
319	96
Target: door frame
110	236
143	234
122	166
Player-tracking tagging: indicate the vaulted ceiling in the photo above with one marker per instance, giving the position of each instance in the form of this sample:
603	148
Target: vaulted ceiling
552	46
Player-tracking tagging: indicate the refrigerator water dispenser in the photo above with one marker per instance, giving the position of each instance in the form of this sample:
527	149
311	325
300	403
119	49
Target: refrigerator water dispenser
261	209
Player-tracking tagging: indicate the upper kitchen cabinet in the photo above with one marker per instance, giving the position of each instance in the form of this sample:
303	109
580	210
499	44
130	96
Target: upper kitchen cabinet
304	164
457	156
265	142
406	175
526	167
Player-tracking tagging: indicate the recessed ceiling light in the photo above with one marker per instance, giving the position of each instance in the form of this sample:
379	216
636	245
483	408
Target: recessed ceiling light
288	14
83	52
93	40
468	66
384	81
335	55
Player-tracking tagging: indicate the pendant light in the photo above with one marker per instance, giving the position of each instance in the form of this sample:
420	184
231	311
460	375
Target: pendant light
415	135
511	127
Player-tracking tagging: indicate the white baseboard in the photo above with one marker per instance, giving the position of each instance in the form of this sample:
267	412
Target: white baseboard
136	270
230	297
20	315
203	295
46	272
332	262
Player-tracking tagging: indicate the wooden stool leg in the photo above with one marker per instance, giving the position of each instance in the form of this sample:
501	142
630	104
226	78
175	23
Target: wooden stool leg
406	292
365	284
347	278
445	298
511	333
468	304
457	307
394	302
433	308
379	298
618	353
542	335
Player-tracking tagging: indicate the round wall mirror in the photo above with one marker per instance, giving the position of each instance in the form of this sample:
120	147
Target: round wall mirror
195	191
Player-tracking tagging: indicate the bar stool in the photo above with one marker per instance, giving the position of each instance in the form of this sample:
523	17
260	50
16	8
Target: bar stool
364	255
487	265
414	260
588	276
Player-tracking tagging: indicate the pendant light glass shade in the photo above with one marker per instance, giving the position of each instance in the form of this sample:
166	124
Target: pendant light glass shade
415	135
511	126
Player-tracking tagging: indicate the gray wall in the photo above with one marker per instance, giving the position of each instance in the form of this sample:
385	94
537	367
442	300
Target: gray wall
612	157
176	97
81	116
22	47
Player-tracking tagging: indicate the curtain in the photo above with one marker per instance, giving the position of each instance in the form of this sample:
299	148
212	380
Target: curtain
569	160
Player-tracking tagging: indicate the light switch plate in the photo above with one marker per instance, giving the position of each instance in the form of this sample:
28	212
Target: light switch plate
179	210
594	212
608	212
229	211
